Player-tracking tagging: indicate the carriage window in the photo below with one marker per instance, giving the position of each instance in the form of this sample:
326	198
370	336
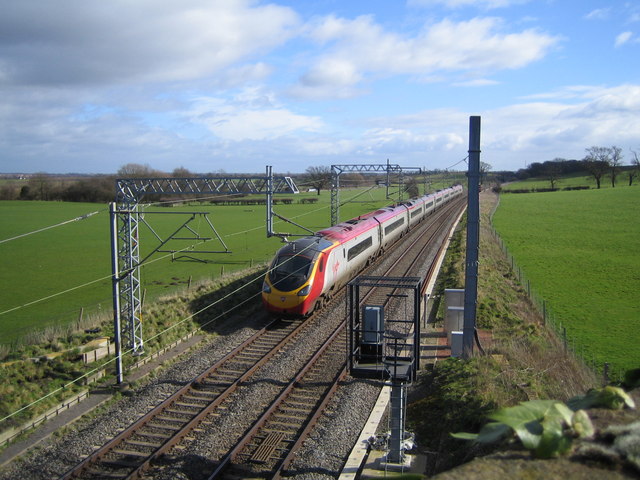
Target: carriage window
416	212
393	226
359	248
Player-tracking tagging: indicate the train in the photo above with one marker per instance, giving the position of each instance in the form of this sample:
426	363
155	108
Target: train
305	273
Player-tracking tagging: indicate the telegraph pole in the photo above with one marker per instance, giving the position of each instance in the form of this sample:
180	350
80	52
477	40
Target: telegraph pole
473	238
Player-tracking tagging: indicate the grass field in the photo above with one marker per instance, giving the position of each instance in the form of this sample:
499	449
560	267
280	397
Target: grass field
568	181
580	251
38	267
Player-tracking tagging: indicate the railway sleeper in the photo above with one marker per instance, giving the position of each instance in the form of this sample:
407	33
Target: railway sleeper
286	424
204	396
194	406
103	474
296	409
129	453
116	463
159	436
140	443
303	404
184	411
166	418
161	426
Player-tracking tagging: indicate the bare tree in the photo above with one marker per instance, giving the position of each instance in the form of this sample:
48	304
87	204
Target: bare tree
615	160
40	186
181	172
318	177
635	167
597	162
484	169
136	170
552	173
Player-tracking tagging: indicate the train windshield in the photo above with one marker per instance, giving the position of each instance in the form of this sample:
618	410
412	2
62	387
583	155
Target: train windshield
294	262
290	271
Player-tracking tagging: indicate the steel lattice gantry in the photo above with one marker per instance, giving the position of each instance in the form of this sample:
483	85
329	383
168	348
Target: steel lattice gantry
337	170
125	245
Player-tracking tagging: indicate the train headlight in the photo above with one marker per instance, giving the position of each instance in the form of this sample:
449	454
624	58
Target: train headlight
266	288
305	291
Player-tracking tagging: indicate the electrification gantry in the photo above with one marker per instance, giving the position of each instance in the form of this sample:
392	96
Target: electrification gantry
125	243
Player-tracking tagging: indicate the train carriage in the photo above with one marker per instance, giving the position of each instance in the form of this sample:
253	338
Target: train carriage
305	273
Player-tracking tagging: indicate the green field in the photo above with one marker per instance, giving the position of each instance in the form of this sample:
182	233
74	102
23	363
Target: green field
580	251
38	267
569	181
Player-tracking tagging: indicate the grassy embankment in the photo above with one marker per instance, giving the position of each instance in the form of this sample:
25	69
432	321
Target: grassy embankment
524	361
579	251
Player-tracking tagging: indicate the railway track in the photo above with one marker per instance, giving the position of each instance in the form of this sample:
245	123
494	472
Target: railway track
267	450
268	447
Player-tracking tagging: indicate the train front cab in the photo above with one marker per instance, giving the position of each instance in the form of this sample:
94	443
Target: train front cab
296	277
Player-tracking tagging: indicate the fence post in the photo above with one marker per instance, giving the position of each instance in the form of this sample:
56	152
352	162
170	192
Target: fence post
605	373
564	338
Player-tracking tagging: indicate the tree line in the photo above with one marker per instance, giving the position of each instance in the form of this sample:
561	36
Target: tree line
598	163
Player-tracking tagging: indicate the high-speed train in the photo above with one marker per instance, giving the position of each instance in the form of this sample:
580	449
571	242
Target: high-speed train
305	273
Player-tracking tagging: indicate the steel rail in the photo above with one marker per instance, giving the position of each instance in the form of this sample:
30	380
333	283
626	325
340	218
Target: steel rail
123	436
311	420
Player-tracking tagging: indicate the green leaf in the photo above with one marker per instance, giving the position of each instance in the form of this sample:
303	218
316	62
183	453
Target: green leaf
464	436
529	434
582	425
523	413
490	433
607	397
565	412
553	442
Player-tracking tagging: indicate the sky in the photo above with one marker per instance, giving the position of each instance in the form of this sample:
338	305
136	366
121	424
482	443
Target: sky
214	86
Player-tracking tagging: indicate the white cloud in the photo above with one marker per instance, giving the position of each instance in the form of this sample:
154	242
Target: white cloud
78	42
478	82
361	49
251	115
484	4
623	38
598	14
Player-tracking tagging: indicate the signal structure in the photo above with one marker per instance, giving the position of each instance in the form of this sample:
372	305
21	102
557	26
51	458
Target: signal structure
337	170
125	219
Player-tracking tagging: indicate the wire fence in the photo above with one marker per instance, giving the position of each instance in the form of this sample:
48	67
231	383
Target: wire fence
571	341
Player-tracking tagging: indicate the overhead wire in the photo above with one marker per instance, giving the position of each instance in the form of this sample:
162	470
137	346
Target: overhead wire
151	261
175	325
81	217
130	350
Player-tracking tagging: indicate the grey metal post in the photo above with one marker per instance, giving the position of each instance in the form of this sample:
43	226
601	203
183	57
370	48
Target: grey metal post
473	238
398	408
335	195
115	282
269	201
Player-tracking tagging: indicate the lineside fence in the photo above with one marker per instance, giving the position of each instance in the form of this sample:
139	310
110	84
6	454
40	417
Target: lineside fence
571	342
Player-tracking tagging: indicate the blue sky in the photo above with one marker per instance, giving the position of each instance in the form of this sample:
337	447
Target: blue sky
232	86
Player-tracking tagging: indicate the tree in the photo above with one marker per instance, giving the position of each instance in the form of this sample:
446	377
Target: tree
40	187
318	177
484	169
411	187
635	167
552	173
615	160
181	172
136	170
597	162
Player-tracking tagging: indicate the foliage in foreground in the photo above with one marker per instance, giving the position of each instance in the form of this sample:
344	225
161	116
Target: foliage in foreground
548	427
